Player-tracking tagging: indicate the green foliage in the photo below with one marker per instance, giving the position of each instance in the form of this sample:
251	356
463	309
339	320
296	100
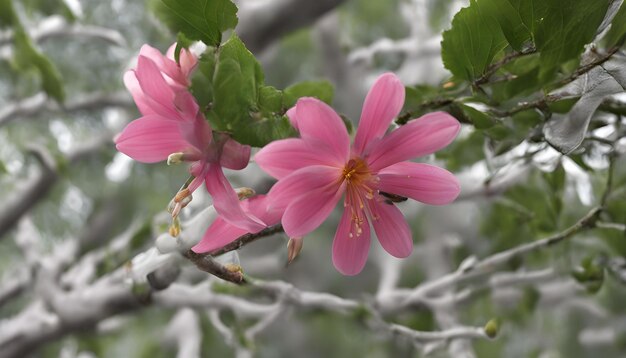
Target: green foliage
241	104
365	21
492	327
50	7
8	17
590	274
527	211
617	33
463	151
229	84
28	57
474	40
321	90
563	28
481	120
236	80
202	20
557	30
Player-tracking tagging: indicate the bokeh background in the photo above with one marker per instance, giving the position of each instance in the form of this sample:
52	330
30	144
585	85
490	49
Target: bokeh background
67	194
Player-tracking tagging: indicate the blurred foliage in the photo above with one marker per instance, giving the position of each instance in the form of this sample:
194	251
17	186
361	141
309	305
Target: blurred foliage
534	46
201	20
26	56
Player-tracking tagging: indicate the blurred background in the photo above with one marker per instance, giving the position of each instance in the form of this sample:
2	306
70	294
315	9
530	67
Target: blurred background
75	212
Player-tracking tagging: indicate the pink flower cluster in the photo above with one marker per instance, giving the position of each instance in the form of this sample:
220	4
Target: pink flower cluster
314	171
172	123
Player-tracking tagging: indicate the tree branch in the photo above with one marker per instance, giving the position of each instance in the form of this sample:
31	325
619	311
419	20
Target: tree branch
40	102
472	267
246	239
261	24
38	187
207	264
492	69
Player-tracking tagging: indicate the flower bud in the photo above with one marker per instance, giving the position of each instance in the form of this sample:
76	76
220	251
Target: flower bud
175	227
294	246
244	193
175	158
492	327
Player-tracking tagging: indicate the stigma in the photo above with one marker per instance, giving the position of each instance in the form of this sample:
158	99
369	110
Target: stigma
361	187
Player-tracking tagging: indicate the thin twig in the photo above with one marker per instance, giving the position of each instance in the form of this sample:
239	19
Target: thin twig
489	263
246	239
497	65
208	264
609	180
586	68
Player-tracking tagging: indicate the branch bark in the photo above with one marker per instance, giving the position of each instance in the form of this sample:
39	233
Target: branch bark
40	102
262	24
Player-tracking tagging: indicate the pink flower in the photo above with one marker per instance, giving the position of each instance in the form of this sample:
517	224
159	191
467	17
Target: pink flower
172	124
221	233
176	77
317	169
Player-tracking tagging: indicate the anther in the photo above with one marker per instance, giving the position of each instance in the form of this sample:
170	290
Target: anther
181	195
175	158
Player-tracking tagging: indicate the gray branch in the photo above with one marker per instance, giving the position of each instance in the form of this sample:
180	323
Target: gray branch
262	24
40	102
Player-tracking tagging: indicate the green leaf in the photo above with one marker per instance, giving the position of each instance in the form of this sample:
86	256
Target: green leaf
27	57
513	18
557	29
181	42
474	40
563	30
463	151
229	85
525	79
49	8
202	78
321	90
202	20
236	79
270	100
8	17
480	119
617	33
264	130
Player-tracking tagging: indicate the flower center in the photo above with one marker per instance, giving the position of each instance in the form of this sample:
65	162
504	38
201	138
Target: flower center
361	186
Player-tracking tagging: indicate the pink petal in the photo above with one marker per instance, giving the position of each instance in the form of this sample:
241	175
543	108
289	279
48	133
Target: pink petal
282	157
302	182
349	250
226	202
417	138
258	206
155	88
164	64
219	234
151	139
382	104
307	213
197	181
199	133
316	120
391	229
291	114
235	155
187	60
422	182
186	105
131	83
